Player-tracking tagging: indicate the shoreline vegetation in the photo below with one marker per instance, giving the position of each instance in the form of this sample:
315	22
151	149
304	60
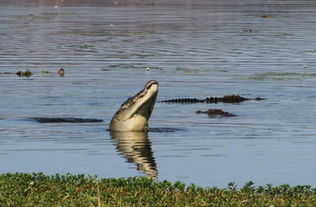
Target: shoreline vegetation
38	189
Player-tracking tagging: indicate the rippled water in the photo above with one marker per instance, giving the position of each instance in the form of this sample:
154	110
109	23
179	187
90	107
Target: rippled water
194	49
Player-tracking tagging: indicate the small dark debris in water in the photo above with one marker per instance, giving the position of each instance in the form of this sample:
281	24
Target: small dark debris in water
84	46
225	99
250	30
6	73
215	113
61	72
26	73
267	16
69	120
259	99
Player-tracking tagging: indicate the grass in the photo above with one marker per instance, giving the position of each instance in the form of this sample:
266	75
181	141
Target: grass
37	189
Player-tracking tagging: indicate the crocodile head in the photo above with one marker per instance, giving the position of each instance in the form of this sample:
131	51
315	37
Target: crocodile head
135	112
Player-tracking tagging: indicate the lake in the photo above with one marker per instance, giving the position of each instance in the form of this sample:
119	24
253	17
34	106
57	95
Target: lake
194	49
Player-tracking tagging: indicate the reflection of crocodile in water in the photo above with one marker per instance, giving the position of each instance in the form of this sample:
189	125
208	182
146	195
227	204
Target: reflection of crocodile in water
224	99
136	148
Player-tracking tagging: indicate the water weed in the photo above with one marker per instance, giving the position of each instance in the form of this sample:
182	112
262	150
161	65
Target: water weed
278	76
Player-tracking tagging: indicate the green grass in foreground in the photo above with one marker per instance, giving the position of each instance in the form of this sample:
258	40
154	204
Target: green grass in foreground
22	189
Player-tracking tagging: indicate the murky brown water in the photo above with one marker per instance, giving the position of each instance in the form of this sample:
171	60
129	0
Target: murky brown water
194	49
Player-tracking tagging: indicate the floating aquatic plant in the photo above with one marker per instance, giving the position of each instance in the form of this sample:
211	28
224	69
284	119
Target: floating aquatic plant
85	46
267	16
310	51
279	76
188	70
31	16
26	73
6	73
87	33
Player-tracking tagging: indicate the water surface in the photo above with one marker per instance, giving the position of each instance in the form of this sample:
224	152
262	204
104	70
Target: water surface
194	49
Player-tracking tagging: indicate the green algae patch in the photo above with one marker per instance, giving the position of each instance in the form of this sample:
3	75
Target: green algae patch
222	70
188	70
265	16
278	76
310	51
86	46
31	17
41	16
37	189
86	33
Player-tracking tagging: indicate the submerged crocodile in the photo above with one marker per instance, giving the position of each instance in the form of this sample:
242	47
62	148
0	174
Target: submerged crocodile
67	119
215	113
135	112
224	99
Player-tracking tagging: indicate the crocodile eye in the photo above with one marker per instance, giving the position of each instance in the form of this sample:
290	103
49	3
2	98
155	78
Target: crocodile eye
148	87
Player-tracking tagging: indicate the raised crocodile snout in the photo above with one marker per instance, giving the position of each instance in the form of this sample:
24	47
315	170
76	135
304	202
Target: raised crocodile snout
135	112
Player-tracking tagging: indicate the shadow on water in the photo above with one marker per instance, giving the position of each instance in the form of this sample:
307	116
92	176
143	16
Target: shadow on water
136	148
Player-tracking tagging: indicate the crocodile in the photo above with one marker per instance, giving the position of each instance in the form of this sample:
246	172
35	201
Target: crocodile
216	113
135	112
225	99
